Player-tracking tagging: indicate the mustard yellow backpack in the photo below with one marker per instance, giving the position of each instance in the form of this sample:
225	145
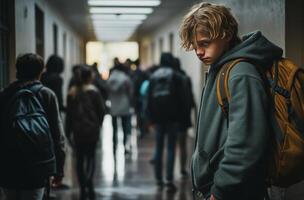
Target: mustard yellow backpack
285	83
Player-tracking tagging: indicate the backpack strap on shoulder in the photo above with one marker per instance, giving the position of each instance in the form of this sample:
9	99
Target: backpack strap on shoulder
36	87
222	90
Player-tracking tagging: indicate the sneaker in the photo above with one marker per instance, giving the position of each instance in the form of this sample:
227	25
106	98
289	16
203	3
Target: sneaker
171	187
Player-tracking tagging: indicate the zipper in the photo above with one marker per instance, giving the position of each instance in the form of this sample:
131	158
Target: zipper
197	125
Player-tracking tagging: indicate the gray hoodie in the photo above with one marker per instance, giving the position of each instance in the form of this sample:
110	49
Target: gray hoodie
228	159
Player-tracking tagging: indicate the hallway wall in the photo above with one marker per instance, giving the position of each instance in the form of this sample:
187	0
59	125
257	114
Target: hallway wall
71	49
295	31
251	15
152	45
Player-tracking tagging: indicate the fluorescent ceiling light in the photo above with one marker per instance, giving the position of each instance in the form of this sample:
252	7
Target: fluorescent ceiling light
115	25
123	3
112	35
121	38
113	39
121	10
108	29
114	28
118	17
116	22
114	31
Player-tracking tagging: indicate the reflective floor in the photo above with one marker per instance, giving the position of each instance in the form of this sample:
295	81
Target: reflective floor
128	177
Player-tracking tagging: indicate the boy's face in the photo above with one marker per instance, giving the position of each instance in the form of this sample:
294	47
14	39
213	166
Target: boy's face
208	51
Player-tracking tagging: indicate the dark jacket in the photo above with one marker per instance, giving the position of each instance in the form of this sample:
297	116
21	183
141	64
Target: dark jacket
186	121
54	81
13	175
85	113
175	111
229	158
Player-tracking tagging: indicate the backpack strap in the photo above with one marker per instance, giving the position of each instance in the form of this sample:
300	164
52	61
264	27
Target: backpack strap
222	90
35	88
292	77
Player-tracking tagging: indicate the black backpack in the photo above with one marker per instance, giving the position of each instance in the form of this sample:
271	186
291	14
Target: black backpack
26	129
162	95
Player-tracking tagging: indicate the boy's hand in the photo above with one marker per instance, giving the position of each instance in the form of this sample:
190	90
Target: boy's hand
56	181
212	197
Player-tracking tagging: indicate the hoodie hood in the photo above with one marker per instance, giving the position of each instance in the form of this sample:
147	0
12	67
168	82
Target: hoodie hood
254	47
166	60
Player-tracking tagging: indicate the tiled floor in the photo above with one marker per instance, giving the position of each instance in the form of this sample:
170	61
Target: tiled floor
131	177
126	177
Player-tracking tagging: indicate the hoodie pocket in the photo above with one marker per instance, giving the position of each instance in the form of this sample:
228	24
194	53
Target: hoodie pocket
202	174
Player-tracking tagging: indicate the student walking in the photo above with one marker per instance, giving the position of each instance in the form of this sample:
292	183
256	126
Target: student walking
31	139
120	88
51	77
166	105
85	113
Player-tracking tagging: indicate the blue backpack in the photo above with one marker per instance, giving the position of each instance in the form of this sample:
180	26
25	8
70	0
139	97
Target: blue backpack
26	129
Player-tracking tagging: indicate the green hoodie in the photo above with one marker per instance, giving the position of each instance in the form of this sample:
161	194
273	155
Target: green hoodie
228	160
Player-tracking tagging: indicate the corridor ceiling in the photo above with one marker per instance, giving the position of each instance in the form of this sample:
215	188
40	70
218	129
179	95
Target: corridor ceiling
77	14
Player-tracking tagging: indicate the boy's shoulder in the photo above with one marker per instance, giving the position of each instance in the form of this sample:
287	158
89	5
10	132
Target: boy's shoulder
47	95
245	69
47	91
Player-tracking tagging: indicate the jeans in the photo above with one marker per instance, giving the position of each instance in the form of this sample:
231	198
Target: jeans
20	194
171	131
126	128
85	166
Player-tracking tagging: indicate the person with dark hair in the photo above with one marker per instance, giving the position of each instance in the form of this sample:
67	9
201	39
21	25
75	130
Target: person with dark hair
75	76
165	107
139	76
128	64
99	82
52	79
29	67
84	117
24	171
117	65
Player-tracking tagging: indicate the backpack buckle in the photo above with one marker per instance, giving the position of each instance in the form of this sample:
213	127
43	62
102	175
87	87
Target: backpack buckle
285	93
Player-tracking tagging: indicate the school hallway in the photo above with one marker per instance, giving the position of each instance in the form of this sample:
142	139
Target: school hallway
128	177
93	33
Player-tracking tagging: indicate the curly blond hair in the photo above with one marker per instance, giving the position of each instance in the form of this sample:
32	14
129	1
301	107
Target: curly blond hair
213	20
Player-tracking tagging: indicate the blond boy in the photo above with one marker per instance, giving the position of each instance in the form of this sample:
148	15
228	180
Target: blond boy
228	161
